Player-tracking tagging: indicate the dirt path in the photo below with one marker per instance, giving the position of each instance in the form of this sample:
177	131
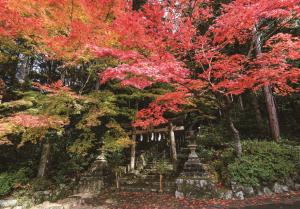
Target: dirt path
146	200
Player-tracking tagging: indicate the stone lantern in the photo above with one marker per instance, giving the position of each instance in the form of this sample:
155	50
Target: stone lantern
101	157
93	178
194	182
193	166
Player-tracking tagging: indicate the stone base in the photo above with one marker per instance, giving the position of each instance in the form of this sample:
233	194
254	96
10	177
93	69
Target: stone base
194	187
93	180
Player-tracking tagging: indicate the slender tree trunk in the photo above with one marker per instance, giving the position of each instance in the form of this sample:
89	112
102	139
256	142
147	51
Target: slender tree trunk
160	183
173	145
132	152
97	85
255	105
236	136
273	119
44	161
241	103
235	132
63	76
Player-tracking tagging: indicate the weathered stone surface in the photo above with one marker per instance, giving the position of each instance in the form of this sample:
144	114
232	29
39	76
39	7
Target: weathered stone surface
179	181
297	186
179	194
110	201
278	188
236	187
8	203
195	187
228	195
48	205
267	191
203	183
260	193
240	195
290	183
285	188
249	191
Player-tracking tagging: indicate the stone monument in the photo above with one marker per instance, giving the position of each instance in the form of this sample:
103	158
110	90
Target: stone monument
194	182
193	166
93	180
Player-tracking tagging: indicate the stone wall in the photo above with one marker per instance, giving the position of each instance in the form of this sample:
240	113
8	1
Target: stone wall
194	187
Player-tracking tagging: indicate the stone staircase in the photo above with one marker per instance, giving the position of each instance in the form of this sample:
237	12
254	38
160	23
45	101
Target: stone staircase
147	180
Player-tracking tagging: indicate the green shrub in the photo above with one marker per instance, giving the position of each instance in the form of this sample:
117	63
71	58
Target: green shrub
6	184
163	167
264	163
40	184
9	180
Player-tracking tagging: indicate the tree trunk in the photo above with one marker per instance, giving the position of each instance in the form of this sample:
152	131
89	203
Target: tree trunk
255	105
233	129
236	136
160	183
273	119
173	145
44	161
241	103
97	85
132	152
22	69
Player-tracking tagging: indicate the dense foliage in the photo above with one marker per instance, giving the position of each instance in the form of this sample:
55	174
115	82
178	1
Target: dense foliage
265	163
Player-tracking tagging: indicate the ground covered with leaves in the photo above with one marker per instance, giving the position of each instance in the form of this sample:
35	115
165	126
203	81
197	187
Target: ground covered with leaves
149	200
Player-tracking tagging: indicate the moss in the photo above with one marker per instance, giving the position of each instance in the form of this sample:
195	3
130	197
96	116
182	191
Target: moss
15	105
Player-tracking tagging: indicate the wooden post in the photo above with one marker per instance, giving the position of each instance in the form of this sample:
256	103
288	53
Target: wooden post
160	183
173	145
132	153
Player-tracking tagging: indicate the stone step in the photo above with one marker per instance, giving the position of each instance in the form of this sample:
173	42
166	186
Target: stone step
147	183
147	189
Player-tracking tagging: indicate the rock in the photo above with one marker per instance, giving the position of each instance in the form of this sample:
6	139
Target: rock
110	201
267	191
203	183
48	205
285	188
179	181
228	195
290	183
179	194
236	187
260	193
297	186
249	191
8	203
240	195
278	188
18	207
